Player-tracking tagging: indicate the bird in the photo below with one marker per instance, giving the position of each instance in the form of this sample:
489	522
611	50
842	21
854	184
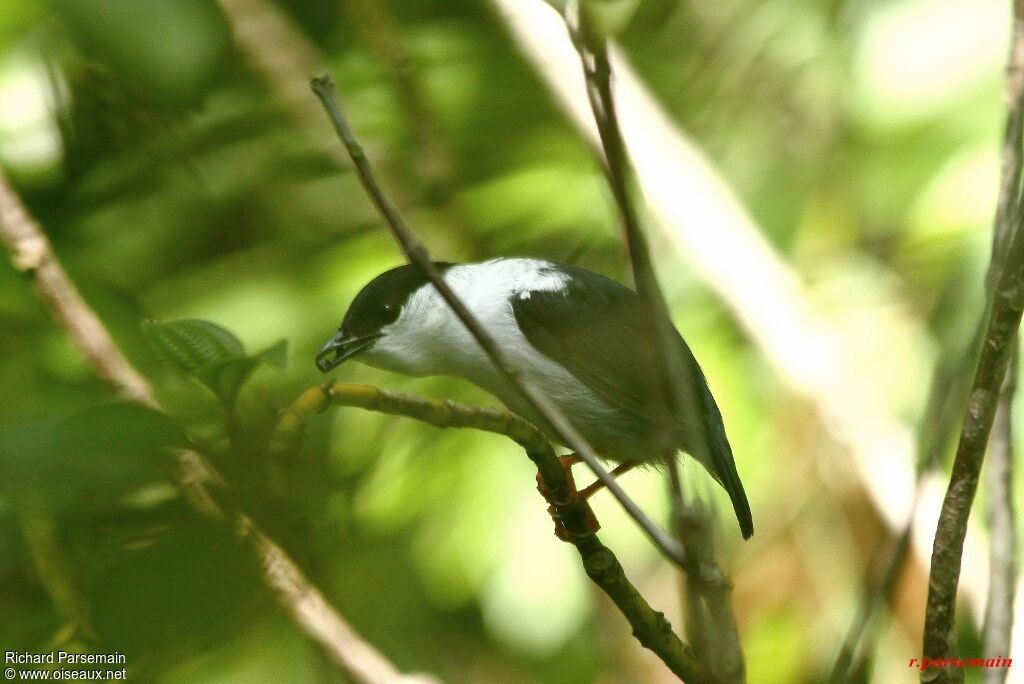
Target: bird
579	337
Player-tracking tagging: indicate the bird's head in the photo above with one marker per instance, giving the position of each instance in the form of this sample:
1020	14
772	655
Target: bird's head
377	319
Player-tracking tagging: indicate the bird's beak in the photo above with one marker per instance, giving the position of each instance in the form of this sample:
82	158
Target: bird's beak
344	347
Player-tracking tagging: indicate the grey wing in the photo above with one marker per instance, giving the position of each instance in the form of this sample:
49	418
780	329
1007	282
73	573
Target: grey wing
595	328
592	328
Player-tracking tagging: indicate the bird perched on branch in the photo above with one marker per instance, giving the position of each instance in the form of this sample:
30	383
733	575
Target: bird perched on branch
577	336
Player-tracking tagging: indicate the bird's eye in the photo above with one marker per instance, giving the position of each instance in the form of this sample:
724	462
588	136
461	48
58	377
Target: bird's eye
391	310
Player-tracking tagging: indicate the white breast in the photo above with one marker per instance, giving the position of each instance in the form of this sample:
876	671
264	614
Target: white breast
428	339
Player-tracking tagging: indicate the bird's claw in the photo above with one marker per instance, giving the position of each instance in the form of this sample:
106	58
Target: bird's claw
589	524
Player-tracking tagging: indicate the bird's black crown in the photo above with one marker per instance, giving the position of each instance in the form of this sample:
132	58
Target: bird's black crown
382	299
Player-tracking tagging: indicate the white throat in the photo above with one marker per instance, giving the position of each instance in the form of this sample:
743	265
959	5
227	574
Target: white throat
428	339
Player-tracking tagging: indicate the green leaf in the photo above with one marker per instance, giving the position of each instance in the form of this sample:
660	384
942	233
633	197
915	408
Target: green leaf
211	354
276	355
225	378
191	345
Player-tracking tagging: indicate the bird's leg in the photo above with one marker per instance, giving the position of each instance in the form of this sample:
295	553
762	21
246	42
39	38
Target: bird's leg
569	460
598	485
579	495
591	524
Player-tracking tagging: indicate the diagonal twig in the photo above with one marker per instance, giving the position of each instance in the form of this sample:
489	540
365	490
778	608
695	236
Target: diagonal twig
32	253
709	604
997	627
1002	323
990	401
417	255
998	621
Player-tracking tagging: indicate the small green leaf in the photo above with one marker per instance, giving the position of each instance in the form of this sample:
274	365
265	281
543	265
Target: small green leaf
210	354
277	354
225	378
191	345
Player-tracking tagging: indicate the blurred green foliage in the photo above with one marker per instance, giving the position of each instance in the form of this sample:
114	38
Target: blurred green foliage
179	179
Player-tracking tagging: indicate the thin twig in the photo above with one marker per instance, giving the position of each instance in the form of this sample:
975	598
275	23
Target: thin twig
938	430
32	253
1002	575
417	255
712	622
650	627
991	394
672	380
878	587
1003	322
997	626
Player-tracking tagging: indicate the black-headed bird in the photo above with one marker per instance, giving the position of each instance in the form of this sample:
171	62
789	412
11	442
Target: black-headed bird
577	336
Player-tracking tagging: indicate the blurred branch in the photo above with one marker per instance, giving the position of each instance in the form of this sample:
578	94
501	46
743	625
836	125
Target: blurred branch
434	160
32	253
1008	203
284	56
1003	321
938	429
997	627
417	255
998	624
650	627
878	588
990	403
281	53
712	623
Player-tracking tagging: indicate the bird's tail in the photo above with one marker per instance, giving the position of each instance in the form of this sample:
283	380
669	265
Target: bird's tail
718	459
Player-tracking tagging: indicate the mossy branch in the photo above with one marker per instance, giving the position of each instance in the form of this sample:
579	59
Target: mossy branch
650	627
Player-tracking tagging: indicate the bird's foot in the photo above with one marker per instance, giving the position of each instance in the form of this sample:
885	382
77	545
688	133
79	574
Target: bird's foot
586	523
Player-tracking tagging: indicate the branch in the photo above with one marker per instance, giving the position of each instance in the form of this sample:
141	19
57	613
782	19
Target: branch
938	429
998	624
1003	322
650	627
991	395
417	255
671	380
32	253
435	163
712	623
